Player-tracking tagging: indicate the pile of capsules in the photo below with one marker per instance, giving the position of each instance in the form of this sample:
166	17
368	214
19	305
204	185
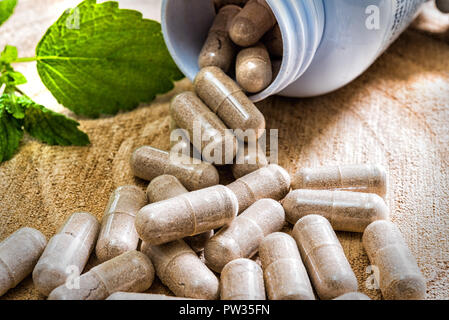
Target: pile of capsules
248	36
178	224
187	205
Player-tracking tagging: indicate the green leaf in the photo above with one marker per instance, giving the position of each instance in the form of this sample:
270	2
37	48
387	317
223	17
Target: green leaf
10	103
51	127
98	59
9	54
6	9
12	78
10	134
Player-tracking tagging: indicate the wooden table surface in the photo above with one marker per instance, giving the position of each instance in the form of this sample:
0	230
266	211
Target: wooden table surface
396	114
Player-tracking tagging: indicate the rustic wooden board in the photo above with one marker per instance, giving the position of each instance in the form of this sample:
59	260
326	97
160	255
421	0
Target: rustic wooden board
396	114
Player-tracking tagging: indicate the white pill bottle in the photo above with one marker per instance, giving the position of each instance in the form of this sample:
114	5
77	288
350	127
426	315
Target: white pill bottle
327	43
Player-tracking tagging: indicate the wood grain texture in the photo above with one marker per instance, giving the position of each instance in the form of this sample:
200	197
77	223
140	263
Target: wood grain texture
395	114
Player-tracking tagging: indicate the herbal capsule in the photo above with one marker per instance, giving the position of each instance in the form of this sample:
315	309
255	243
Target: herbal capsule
360	178
18	255
180	269
225	98
253	68
118	234
243	236
255	19
166	187
217	143
248	160
186	215
273	41
221	3
67	252
353	296
346	211
242	279
131	271
270	182
219	50
148	163
443	5
400	277
141	296
323	257
284	272
180	142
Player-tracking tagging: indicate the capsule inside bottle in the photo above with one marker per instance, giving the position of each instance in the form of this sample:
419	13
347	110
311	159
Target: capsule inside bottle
253	68
219	50
255	19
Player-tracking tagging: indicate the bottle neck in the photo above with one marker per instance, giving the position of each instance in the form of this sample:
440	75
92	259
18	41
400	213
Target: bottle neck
302	27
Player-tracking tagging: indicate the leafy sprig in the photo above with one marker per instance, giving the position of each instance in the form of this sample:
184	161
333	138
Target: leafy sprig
96	59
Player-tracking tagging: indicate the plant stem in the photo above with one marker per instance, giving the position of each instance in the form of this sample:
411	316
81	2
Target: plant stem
30	59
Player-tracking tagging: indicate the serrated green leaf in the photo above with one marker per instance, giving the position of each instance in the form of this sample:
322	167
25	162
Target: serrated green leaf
10	103
10	134
6	9
99	59
9	54
51	127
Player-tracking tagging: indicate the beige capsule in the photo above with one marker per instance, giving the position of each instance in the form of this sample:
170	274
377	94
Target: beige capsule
142	296
118	234
19	254
186	215
353	296
219	50
228	101
242	279
359	178
180	269
67	252
345	210
443	5
166	187
400	277
148	163
180	142
131	271
274	42
249	26
324	257
217	143
243	236
253	69
248	159
284	272
269	182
